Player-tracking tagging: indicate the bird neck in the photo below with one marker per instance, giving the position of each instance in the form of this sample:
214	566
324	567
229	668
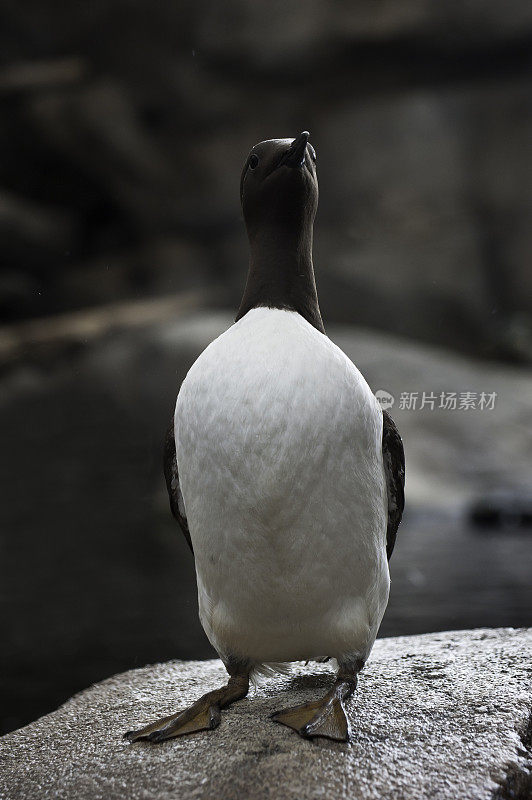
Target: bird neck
281	274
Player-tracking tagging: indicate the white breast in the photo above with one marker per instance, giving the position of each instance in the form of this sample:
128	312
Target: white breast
278	440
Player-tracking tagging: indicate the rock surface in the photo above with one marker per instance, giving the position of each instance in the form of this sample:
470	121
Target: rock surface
439	715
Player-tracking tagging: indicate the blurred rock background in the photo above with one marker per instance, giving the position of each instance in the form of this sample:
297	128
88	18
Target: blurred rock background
124	127
123	131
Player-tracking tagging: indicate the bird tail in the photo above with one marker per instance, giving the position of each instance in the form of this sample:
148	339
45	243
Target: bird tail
261	672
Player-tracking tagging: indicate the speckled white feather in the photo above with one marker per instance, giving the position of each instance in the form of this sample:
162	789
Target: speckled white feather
279	450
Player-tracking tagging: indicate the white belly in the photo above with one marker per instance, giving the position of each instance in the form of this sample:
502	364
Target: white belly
278	441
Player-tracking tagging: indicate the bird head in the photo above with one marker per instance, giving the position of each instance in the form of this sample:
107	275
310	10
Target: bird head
279	184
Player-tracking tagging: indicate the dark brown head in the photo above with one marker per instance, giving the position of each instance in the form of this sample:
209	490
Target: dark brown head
279	194
279	185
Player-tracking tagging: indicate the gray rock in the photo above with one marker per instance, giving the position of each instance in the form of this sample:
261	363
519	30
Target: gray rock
439	715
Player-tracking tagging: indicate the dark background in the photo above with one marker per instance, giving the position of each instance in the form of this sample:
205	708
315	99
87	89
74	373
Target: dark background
123	131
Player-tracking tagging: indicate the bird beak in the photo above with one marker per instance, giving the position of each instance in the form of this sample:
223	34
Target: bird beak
295	155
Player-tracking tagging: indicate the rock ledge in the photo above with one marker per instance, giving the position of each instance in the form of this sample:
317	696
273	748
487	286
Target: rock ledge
440	715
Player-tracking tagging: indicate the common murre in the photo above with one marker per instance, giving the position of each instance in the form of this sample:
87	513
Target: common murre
283	472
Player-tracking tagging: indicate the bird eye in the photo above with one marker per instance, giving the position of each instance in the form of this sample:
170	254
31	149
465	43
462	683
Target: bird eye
312	152
253	161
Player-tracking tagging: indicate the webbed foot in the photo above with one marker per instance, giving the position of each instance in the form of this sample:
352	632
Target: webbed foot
325	717
203	715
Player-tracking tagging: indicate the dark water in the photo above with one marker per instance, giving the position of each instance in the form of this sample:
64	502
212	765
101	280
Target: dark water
95	576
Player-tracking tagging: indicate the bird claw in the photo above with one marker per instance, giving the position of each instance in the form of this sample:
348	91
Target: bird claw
325	718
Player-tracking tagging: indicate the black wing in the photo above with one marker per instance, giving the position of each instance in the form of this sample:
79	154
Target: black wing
172	484
394	470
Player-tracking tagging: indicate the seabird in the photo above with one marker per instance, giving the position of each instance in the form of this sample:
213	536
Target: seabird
283	472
